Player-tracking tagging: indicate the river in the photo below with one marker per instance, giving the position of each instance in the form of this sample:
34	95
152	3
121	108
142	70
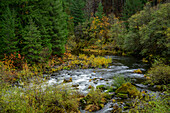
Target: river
121	65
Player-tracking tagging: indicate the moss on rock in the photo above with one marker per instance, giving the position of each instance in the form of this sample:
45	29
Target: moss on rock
101	87
122	95
129	89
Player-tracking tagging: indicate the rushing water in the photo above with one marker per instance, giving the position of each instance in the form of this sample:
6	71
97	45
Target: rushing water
82	78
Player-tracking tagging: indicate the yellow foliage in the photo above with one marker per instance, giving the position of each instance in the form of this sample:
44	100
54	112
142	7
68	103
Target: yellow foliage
144	60
138	71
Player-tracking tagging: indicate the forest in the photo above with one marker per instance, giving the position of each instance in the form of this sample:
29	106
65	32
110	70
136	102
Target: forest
78	56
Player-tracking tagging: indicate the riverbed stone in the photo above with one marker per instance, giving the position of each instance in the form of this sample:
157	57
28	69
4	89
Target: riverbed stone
92	108
101	78
75	85
69	79
90	86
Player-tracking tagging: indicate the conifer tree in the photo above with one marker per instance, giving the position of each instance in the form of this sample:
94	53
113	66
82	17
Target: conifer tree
40	13
32	43
77	12
8	39
131	7
99	12
58	29
50	16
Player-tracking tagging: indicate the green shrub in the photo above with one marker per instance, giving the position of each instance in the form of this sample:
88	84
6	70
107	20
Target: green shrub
117	33
94	96
149	31
94	100
160	73
119	80
153	105
157	106
38	100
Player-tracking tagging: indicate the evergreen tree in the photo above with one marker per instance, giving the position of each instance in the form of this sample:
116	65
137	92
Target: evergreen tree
99	12
131	7
58	29
32	43
8	25
50	16
40	12
77	12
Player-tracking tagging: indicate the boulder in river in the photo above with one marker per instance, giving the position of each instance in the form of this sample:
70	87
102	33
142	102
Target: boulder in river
92	107
75	85
67	80
128	88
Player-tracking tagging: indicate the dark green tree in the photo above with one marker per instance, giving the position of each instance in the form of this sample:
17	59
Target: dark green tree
77	12
40	13
49	15
100	12
58	29
8	28
131	7
32	43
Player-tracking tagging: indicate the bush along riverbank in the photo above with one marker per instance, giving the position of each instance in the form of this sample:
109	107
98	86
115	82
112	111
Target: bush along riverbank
34	95
37	98
14	68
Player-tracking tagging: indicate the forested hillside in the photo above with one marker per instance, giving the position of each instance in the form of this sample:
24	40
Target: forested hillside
38	29
119	50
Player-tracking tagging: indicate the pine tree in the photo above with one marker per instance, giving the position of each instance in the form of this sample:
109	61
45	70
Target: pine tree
58	29
50	16
40	12
32	43
130	8
99	12
8	25
77	12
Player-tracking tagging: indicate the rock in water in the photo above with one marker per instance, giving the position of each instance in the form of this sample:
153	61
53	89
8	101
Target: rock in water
129	89
67	80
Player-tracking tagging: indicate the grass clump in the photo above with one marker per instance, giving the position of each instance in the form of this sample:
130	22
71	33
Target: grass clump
37	100
153	104
94	100
160	74
119	80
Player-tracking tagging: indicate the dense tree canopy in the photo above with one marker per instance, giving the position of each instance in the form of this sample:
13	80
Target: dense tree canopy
39	28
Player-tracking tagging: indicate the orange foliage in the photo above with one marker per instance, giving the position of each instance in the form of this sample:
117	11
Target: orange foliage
100	28
13	61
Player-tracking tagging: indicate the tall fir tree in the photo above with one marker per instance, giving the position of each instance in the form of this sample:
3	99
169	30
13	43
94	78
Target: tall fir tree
77	12
40	14
50	16
58	29
131	7
8	28
32	43
100	12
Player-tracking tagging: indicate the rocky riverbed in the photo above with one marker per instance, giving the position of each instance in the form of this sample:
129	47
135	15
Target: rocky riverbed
83	80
